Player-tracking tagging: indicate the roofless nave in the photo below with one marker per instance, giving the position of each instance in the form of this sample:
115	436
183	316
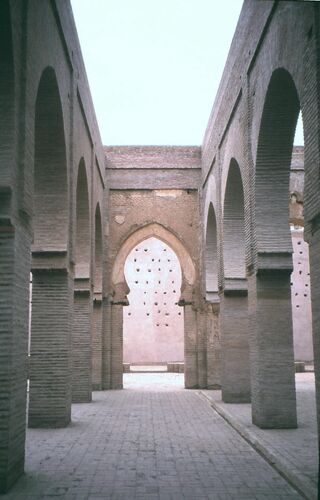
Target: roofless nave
72	211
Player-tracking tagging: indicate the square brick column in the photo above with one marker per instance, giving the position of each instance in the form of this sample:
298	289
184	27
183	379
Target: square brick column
97	343
271	350
235	365
50	361
117	346
202	348
82	342
190	348
213	346
106	344
14	307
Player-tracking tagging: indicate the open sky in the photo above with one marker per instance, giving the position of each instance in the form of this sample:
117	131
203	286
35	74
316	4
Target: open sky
154	66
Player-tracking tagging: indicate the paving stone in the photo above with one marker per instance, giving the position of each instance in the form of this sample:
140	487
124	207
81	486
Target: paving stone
146	442
294	451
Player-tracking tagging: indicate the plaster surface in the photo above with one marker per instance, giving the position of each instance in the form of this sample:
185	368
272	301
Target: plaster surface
153	326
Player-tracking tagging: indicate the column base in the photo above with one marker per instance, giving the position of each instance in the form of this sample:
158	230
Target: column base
12	477
236	398
50	423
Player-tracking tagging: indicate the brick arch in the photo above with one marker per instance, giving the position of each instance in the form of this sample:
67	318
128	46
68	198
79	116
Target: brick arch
211	252
273	159
51	216
82	250
153	230
233	224
98	250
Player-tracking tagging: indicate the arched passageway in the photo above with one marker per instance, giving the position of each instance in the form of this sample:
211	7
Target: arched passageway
272	360
50	397
50	169
233	225
211	254
82	247
184	298
81	329
235	366
153	325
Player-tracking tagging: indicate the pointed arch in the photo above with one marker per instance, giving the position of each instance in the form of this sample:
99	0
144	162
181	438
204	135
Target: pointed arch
233	224
270	294
274	152
211	255
163	234
82	249
50	168
98	251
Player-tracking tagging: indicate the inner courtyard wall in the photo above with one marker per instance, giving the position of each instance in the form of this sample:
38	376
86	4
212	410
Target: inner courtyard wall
153	184
147	186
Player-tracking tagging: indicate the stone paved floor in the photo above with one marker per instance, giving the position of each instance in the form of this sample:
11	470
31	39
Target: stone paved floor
295	450
146	443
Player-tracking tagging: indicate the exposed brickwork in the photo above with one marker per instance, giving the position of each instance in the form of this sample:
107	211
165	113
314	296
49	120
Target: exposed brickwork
13	277
50	362
47	125
213	348
153	167
126	216
116	363
223	209
275	402
106	345
190	348
253	122
235	364
97	345
153	157
81	347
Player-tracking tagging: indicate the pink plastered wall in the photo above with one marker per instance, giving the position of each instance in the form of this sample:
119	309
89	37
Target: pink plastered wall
153	327
301	298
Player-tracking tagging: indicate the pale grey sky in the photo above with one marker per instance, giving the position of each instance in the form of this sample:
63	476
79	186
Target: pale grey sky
154	66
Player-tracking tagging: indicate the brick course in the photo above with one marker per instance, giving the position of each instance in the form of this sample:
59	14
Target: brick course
50	140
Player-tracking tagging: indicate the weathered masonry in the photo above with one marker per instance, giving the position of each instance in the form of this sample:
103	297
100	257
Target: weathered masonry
71	212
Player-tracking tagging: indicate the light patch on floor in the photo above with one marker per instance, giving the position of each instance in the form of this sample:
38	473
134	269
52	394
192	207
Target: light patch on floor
153	381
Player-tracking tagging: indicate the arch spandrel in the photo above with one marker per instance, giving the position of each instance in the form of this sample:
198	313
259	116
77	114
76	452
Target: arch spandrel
118	281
